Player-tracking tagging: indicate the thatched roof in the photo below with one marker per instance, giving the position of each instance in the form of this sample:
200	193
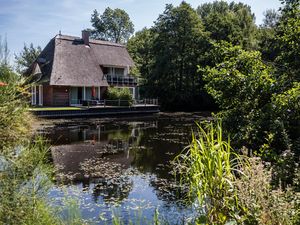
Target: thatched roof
67	61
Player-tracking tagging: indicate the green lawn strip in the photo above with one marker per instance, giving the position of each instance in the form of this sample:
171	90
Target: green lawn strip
55	108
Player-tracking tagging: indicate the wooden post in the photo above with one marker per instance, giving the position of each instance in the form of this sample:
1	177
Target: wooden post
104	102
119	102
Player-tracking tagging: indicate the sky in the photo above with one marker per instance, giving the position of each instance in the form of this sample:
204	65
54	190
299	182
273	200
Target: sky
37	21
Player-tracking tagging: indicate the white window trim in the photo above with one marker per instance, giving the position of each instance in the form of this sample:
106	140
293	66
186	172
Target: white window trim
41	95
99	93
83	93
33	95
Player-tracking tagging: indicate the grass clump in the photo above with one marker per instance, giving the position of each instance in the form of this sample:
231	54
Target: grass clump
230	188
208	165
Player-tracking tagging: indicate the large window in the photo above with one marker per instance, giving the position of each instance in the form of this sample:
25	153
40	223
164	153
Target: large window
37	95
119	71
113	71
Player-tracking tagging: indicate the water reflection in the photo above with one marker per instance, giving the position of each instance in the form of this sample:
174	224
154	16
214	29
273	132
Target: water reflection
122	161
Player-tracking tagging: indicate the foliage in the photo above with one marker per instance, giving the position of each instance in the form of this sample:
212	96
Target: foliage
26	57
230	187
271	18
167	54
231	22
287	36
208	166
122	94
25	172
24	178
15	120
172	48
140	48
266	35
242	85
113	25
260	203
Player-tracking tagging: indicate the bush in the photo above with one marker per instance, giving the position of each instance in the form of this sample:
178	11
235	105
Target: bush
25	173
259	202
116	94
15	119
253	105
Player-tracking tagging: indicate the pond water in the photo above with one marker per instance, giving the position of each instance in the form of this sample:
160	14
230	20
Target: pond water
120	166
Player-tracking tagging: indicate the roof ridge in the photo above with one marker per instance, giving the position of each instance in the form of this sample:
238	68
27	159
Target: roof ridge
93	41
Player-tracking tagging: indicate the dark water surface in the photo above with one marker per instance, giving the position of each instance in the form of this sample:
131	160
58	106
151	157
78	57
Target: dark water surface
120	166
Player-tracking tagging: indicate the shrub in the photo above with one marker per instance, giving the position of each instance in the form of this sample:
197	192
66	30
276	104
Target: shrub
15	120
122	94
25	173
260	203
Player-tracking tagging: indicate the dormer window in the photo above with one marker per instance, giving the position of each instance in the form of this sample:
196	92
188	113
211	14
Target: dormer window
113	71
119	71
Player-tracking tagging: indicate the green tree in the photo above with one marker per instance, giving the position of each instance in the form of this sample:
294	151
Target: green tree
26	57
113	25
231	22
140	47
179	46
287	36
266	35
271	18
242	85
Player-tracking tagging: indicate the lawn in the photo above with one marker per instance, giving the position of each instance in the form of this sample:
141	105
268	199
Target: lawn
55	108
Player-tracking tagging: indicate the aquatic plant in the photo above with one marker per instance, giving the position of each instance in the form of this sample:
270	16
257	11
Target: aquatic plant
232	188
139	219
208	165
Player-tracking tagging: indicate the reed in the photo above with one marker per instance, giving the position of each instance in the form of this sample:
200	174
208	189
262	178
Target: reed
209	165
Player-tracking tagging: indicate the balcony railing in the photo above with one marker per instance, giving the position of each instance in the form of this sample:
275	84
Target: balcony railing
121	80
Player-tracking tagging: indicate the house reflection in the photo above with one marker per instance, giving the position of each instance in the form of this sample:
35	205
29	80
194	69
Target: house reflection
96	156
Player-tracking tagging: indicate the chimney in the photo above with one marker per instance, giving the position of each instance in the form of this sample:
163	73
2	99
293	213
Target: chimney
86	37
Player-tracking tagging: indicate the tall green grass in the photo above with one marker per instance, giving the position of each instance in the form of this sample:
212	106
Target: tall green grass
229	188
209	165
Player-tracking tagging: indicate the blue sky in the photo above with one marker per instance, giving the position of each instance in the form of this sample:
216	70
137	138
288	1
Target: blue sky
37	21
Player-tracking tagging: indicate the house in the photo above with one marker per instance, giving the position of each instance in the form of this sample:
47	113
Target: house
70	70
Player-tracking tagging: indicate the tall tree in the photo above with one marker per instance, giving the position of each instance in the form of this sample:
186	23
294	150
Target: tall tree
26	57
266	35
287	36
179	46
140	48
113	25
234	22
262	99
271	18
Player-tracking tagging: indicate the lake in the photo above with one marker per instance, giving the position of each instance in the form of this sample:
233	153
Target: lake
120	166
